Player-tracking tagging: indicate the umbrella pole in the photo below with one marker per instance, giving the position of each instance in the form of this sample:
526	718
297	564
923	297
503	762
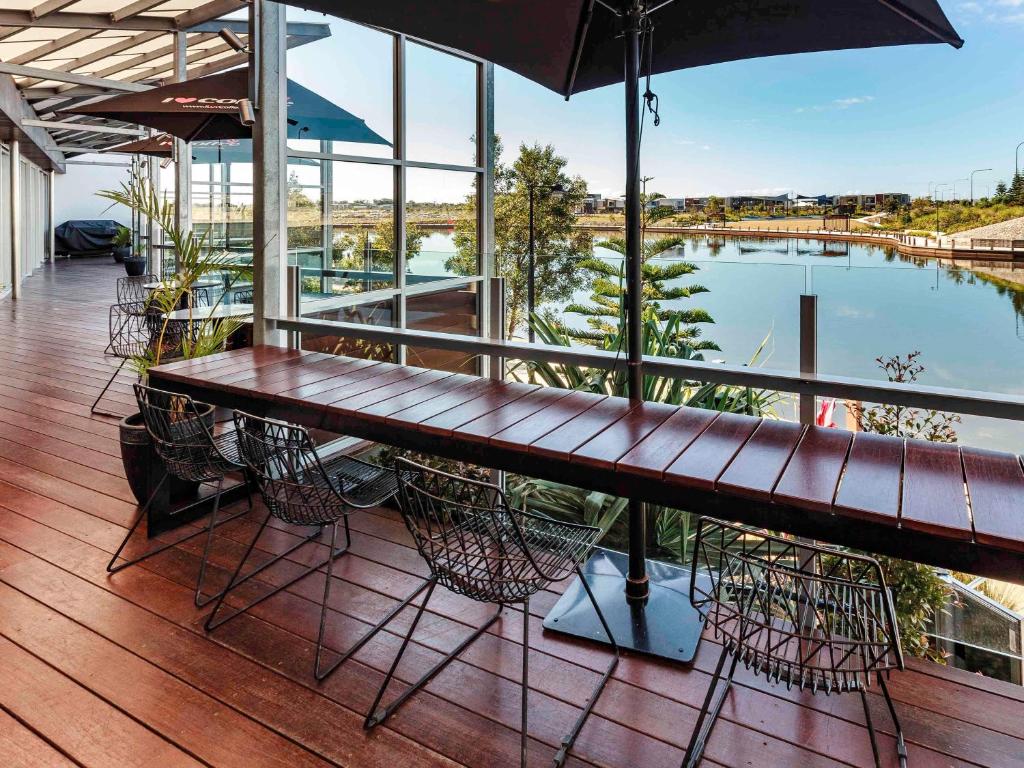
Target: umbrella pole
637	587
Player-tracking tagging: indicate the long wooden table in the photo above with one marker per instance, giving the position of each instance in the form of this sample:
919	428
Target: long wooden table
959	508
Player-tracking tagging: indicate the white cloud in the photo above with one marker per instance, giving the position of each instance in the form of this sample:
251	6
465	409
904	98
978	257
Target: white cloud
994	11
846	103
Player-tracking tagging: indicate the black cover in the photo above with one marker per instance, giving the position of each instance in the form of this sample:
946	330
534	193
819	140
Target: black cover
85	238
538	38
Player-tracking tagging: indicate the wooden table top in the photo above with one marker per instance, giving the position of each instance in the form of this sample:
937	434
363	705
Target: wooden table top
950	506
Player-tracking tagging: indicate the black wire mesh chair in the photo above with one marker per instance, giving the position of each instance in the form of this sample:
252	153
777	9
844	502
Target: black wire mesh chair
131	290
182	436
130	336
798	613
476	545
243	296
300	488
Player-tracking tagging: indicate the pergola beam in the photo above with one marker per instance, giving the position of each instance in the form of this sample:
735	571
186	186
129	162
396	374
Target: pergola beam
90	58
20	70
48	7
140	6
17	20
207	12
87	127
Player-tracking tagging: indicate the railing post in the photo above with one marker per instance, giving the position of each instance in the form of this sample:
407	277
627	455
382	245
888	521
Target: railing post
808	352
495	364
294	299
15	212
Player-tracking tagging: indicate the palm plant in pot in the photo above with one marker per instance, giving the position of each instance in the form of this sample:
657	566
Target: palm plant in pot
169	339
121	244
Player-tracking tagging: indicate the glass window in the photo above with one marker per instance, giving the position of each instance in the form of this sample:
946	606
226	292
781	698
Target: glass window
353	69
362	225
372	313
440	99
441	219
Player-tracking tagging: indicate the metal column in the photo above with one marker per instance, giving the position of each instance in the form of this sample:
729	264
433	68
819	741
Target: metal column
182	152
490	315
15	194
270	197
51	243
398	308
808	352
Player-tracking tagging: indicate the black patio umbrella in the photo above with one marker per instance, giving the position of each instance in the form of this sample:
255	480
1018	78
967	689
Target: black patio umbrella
571	46
207	108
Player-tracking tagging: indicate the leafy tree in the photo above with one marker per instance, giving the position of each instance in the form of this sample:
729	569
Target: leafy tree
297	198
901	421
603	313
558	245
714	205
1001	191
380	242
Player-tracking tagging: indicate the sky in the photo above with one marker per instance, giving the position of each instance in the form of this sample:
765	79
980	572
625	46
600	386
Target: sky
884	119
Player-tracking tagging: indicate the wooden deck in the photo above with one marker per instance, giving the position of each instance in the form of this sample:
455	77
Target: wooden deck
117	671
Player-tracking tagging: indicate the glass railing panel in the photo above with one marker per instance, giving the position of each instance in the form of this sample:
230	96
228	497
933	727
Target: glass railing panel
963	324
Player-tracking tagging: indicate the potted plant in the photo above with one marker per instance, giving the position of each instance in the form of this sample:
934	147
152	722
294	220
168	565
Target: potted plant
121	244
194	261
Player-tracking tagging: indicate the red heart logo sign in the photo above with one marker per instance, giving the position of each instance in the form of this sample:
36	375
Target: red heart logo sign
185	99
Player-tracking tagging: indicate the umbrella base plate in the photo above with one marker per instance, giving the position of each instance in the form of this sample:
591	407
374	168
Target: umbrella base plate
666	625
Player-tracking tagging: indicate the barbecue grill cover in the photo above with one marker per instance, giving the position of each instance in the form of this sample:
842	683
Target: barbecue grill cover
85	238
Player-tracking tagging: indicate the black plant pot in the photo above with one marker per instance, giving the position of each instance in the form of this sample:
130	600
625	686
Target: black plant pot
135	265
144	468
121	252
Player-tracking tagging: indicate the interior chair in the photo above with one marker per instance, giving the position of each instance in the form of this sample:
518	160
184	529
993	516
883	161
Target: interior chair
796	613
476	545
181	432
301	488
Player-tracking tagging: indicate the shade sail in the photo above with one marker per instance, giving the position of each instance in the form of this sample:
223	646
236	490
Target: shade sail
207	108
538	38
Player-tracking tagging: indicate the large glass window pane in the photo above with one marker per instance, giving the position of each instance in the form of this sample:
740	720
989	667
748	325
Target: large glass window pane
440	107
361	225
353	68
441	218
306	245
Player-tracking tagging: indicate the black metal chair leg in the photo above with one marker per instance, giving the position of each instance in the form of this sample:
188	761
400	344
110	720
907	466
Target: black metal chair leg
202	600
323	674
570	739
709	711
377	716
212	622
901	744
523	738
870	725
104	390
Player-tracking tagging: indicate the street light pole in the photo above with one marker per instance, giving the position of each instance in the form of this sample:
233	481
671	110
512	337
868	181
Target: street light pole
980	170
1016	159
930	193
955	182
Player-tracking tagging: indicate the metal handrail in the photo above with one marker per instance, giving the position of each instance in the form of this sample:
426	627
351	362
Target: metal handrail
938	398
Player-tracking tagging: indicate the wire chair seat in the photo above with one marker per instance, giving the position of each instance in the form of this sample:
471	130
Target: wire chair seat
183	437
132	290
804	615
794	612
477	545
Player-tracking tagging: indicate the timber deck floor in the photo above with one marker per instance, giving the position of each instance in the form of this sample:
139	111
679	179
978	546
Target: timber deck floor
117	671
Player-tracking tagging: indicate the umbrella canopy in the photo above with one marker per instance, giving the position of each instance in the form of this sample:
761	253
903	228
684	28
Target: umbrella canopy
576	45
207	108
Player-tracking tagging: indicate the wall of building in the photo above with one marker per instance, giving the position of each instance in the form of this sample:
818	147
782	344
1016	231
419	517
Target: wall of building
33	196
75	196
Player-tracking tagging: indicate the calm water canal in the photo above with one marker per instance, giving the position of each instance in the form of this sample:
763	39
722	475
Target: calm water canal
968	324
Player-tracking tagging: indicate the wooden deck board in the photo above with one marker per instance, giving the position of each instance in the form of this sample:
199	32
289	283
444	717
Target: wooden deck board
102	670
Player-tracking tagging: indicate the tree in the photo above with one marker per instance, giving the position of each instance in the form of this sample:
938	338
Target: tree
1001	192
604	311
379	245
558	245
1016	192
297	198
714	205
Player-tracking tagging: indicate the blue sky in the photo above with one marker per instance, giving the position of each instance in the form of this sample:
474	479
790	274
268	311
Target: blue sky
853	121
